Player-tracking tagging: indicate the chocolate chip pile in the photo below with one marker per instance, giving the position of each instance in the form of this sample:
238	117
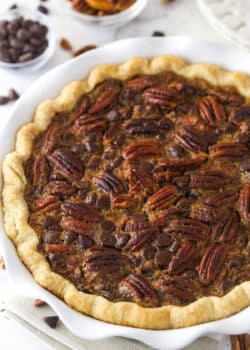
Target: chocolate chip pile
22	40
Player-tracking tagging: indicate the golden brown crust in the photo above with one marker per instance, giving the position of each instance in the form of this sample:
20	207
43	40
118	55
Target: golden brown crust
26	240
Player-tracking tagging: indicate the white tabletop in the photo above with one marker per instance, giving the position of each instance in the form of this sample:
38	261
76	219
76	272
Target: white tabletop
179	17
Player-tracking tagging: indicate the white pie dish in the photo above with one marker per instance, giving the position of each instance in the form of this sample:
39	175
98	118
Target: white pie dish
83	326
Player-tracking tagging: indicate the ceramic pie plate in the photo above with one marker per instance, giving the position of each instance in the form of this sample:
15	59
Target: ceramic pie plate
49	86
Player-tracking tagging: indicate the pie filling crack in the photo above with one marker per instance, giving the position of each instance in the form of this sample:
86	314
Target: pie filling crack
139	197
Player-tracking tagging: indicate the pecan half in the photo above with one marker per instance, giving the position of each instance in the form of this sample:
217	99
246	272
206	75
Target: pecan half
104	260
67	163
81	211
142	126
211	263
194	230
172	163
163	198
46	203
182	258
139	239
241	114
244	203
59	187
76	226
226	229
50	138
192	138
122	201
142	148
225	197
208	180
228	151
109	183
178	287
140	83
40	172
210	110
162	97
206	213
161	219
90	123
104	101
140	290
137	225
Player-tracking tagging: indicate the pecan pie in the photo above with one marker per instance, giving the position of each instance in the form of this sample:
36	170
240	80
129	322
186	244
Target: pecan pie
128	196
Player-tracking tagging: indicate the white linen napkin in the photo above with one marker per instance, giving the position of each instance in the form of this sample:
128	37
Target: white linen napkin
21	310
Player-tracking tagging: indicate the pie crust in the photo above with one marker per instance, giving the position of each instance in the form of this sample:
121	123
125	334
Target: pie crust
16	212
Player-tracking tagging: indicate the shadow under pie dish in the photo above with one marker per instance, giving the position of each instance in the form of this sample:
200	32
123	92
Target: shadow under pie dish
133	203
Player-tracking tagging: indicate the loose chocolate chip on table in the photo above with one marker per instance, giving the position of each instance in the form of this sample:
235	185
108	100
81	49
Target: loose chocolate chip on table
13	95
4	100
13	7
51	321
43	9
158	33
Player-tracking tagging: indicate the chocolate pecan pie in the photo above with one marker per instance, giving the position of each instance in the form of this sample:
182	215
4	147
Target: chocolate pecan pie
128	196
101	7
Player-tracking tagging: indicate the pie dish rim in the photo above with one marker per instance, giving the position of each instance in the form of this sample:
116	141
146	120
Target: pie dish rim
97	306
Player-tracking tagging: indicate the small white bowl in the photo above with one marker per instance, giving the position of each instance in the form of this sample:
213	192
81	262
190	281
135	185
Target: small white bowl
116	20
41	18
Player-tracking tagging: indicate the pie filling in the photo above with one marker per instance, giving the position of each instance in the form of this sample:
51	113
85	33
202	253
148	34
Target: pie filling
101	7
142	192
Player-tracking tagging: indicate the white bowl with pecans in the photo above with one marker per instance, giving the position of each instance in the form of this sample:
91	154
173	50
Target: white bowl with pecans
50	85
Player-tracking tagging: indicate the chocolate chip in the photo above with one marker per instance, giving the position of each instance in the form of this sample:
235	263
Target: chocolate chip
121	240
158	33
91	198
115	163
236	263
13	95
23	34
113	115
94	163
4	100
13	7
136	261
163	240
78	148
163	258
174	247
51	321
92	147
43	9
149	252
176	151
108	240
245	165
103	202
25	57
48	221
120	140
69	237
51	237
108	226
85	242
243	137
